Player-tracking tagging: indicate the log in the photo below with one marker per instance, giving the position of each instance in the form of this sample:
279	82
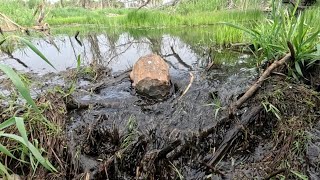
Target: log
234	133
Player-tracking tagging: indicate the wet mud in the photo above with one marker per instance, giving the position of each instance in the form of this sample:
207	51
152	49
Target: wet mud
120	135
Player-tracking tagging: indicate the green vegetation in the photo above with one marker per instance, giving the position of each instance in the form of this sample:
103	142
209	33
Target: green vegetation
287	27
13	144
167	18
190	6
17	11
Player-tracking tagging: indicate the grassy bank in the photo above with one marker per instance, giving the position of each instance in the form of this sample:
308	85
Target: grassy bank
179	17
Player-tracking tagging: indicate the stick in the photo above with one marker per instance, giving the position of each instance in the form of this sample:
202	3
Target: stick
275	173
233	134
257	84
214	170
6	18
189	85
176	55
163	152
146	3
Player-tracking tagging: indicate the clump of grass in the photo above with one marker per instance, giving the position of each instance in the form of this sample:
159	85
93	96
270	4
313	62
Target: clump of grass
30	151
272	36
132	132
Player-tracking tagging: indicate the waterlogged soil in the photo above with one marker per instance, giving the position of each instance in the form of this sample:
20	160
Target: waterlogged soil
113	133
112	129
115	118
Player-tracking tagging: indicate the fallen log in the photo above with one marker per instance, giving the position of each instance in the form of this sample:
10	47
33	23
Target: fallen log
234	133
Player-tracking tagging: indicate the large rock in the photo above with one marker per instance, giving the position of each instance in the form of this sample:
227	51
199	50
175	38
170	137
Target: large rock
150	76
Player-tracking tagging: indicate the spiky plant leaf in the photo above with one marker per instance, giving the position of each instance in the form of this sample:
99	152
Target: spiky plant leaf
35	152
35	50
24	91
7	123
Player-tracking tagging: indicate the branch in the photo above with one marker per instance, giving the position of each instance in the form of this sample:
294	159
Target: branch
257	84
143	5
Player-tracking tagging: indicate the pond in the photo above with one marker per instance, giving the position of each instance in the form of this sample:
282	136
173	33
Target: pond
121	50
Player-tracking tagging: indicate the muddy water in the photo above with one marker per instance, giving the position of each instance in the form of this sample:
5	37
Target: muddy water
116	106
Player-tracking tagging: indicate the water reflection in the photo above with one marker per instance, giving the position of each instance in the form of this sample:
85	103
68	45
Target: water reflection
119	53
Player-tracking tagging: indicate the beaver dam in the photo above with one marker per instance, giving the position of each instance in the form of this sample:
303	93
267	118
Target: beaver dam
108	131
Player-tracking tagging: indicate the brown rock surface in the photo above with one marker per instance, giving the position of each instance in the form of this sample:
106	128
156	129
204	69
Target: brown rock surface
150	76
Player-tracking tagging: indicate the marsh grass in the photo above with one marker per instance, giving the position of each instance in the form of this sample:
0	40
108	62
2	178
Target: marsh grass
287	27
30	151
126	19
191	6
17	11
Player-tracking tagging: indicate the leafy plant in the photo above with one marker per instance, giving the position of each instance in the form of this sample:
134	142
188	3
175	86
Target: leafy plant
216	105
271	108
271	37
22	140
33	152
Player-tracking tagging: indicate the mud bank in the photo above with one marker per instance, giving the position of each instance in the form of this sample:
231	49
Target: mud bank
119	135
114	120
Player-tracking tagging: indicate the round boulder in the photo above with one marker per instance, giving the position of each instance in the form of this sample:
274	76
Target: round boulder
150	77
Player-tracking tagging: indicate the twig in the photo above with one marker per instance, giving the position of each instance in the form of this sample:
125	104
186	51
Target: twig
275	173
163	153
6	18
176	55
189	85
143	5
76	37
257	84
214	170
10	56
179	153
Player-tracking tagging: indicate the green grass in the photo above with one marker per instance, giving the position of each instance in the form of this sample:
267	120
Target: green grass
195	6
31	153
284	28
147	18
17	11
151	19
